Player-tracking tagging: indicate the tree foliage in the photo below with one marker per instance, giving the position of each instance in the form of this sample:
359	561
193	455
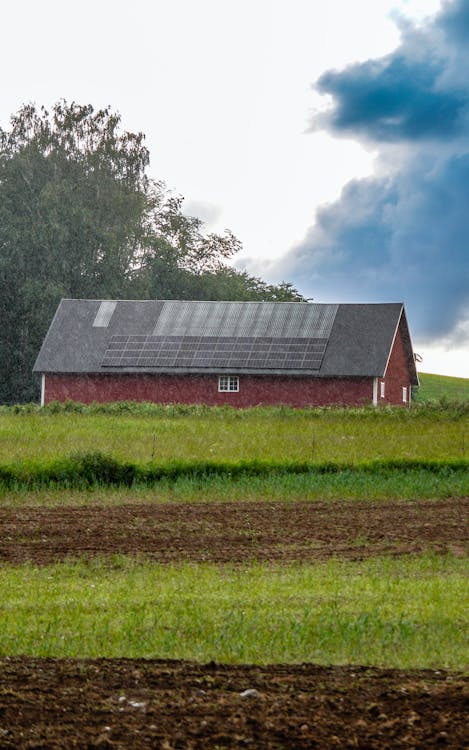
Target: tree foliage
79	217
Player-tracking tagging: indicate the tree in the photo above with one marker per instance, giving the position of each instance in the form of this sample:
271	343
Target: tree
72	198
182	262
79	217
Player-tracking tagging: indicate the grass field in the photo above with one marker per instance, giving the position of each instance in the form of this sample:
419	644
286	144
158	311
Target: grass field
436	387
406	612
269	443
304	435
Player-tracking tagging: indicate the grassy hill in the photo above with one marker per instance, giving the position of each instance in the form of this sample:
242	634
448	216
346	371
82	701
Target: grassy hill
436	387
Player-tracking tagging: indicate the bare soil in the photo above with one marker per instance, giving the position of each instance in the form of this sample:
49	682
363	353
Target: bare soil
235	532
118	703
154	704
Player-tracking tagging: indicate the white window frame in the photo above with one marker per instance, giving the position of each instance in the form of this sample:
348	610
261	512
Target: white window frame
228	384
382	388
404	394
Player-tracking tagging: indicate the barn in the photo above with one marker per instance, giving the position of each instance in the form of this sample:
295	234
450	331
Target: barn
237	353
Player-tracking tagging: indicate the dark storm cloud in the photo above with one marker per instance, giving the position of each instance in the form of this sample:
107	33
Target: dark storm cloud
402	238
404	234
412	94
455	21
392	100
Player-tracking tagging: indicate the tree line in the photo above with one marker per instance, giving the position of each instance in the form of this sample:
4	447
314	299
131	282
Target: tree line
81	218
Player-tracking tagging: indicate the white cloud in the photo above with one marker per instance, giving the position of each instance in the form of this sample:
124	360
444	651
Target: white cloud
442	361
208	212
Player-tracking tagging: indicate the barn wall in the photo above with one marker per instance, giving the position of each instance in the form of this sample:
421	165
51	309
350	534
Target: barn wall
397	374
203	389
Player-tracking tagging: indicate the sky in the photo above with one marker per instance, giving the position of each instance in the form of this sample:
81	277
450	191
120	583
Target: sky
331	138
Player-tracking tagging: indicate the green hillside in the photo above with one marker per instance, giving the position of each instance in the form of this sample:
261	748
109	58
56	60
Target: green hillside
436	387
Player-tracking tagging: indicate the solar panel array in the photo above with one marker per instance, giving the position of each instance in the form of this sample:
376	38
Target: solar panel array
213	352
245	319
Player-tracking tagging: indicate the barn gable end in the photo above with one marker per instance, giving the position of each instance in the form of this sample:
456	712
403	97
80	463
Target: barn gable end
397	379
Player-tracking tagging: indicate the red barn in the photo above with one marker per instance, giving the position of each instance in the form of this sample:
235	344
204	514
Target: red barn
237	353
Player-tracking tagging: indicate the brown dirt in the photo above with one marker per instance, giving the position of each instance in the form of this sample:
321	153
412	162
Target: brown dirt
235	532
154	704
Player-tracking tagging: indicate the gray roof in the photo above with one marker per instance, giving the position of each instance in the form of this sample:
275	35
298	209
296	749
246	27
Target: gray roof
295	338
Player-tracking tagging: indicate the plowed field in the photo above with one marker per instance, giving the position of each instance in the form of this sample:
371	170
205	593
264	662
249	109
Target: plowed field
235	532
152	704
138	704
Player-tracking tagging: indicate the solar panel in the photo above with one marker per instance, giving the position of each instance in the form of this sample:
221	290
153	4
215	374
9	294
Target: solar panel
247	319
263	353
104	314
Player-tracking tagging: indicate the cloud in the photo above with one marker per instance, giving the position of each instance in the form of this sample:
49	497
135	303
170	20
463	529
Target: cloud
455	21
209	213
403	237
393	99
402	234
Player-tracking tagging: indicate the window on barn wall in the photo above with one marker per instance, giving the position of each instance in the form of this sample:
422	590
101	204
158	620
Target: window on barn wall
228	383
404	394
381	385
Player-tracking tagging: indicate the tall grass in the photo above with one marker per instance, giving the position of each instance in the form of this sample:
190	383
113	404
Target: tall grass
441	403
221	435
403	613
97	470
351	485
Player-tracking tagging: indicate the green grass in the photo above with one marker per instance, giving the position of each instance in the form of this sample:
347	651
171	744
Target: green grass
407	613
334	435
97	470
437	387
73	446
352	485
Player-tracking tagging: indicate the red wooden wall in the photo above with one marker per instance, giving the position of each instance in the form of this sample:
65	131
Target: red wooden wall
203	389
